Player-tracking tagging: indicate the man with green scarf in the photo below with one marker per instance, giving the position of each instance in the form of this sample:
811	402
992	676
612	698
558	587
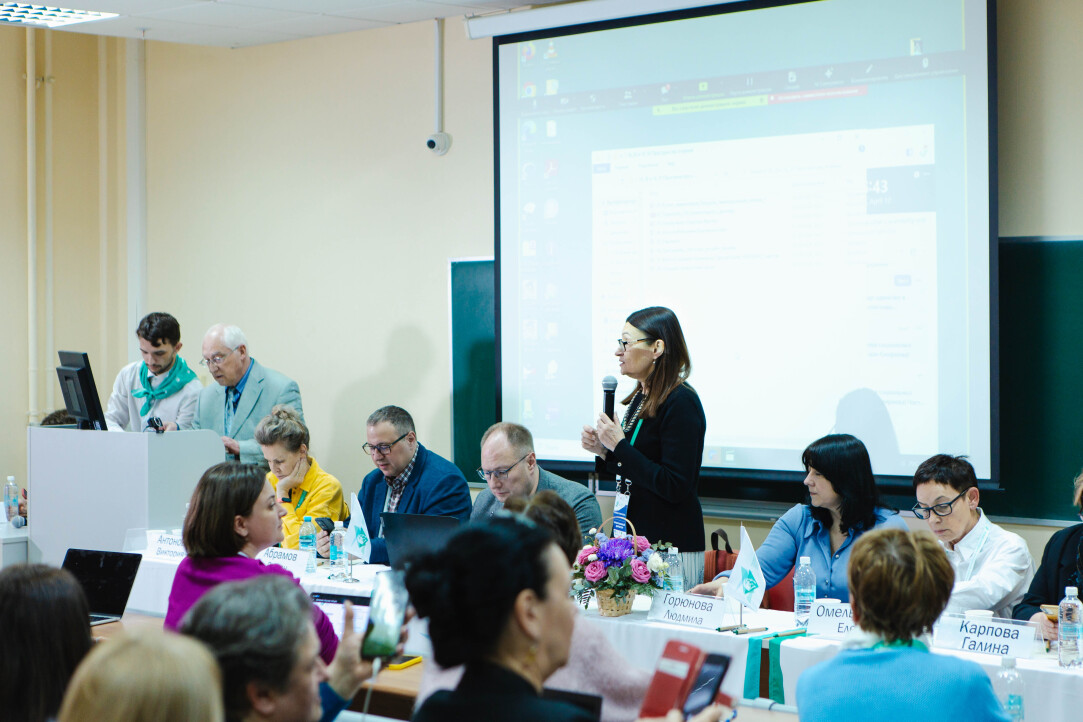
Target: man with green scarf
160	385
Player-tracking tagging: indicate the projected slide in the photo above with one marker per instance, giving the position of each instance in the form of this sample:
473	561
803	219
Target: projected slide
811	197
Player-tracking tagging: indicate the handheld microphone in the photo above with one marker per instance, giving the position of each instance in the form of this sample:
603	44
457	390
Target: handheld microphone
155	423
609	392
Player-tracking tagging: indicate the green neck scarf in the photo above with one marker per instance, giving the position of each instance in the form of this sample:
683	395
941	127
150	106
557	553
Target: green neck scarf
913	644
178	378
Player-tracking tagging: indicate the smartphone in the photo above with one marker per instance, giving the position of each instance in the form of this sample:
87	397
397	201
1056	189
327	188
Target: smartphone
402	661
708	679
672	677
387	612
325	523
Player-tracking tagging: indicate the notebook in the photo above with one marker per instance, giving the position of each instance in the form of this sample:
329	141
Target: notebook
410	534
106	578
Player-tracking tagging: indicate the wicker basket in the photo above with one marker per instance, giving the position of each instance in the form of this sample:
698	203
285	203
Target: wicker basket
608	604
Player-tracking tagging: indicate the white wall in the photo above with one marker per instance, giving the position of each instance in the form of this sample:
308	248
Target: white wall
290	192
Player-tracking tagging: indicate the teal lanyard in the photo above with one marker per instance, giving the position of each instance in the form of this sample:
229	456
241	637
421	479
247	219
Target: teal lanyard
636	432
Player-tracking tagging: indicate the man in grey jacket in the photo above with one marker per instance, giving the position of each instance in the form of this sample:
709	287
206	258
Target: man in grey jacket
510	468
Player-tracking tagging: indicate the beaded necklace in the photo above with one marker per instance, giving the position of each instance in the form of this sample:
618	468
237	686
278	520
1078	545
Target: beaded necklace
631	416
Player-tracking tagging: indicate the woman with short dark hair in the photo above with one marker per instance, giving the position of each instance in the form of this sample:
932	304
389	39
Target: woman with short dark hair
46	634
842	504
657	449
900	583
233	516
496	598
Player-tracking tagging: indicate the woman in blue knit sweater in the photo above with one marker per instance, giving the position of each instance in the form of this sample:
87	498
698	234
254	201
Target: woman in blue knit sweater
900	582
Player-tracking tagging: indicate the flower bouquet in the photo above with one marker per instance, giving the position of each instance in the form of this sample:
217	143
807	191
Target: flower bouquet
615	569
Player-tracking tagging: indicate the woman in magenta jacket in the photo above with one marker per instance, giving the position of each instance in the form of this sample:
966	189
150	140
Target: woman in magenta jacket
232	517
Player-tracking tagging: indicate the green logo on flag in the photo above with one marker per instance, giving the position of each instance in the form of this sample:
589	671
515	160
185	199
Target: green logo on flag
748	581
359	537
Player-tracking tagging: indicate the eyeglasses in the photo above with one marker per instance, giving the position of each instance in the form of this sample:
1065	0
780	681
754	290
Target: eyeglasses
943	509
384	449
216	360
499	474
625	344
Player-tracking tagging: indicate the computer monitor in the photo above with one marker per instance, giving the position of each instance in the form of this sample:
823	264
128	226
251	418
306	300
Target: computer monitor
80	394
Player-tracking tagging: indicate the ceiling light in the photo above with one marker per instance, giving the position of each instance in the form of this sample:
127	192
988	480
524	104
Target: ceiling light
43	16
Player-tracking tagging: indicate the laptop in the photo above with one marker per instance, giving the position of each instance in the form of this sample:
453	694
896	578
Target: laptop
411	534
106	578
333	606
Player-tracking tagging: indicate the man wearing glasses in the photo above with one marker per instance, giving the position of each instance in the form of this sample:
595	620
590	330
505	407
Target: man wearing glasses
408	479
993	567
246	392
510	468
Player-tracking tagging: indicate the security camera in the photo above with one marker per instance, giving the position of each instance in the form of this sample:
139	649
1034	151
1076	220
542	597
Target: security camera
438	143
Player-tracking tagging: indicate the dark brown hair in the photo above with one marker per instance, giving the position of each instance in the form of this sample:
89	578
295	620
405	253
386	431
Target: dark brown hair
224	492
549	511
46	635
159	328
672	368
900	582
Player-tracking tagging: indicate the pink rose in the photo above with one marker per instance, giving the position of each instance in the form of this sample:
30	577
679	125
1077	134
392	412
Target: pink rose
640	572
595	571
642	544
581	558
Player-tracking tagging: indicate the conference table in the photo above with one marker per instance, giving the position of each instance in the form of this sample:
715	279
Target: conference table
1050	692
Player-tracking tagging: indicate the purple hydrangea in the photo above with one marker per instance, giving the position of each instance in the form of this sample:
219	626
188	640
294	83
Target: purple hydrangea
615	551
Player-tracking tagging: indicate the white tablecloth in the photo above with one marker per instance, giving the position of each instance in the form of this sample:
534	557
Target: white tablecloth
642	641
150	593
1050	693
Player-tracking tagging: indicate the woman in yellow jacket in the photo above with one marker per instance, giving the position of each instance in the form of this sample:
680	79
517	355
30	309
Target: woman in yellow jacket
301	486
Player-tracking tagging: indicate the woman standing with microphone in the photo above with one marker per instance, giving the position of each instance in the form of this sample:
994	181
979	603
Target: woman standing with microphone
657	450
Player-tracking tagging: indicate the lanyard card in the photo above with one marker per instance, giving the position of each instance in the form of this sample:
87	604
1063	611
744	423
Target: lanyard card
620	514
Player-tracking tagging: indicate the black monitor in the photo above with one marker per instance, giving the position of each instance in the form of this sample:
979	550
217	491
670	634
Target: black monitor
80	394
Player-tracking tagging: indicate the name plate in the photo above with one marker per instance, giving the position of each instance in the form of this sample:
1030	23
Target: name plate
830	619
165	546
294	560
1003	637
690	610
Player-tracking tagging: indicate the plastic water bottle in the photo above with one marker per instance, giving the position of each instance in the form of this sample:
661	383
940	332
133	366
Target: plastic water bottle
1069	627
307	539
1009	687
11	499
675	573
338	551
804	591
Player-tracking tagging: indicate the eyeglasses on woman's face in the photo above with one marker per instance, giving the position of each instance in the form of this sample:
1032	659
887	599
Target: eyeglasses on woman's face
942	509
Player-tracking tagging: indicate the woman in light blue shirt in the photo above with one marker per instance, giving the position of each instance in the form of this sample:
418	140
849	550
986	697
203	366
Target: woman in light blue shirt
843	503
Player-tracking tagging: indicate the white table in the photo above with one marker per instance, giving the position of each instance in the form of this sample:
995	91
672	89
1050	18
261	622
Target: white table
150	592
1050	694
643	641
14	545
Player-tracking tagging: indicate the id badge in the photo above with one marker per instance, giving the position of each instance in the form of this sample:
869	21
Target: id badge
620	515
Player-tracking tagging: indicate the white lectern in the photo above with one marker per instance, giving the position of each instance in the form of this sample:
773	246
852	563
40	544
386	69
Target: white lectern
86	489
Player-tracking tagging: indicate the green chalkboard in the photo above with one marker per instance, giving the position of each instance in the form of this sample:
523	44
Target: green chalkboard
473	359
1041	378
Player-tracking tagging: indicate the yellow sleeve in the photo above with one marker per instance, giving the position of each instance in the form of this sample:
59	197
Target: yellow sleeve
324	499
291	529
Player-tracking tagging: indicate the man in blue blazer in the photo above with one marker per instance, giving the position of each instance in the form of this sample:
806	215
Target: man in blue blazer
409	479
246	392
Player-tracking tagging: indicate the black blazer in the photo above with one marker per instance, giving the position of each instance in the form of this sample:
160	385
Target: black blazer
490	693
663	467
1059	569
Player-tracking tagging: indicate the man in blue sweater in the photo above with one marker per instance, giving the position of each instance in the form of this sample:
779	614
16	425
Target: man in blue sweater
409	479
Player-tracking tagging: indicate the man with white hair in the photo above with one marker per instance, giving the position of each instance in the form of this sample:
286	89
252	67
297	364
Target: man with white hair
246	392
